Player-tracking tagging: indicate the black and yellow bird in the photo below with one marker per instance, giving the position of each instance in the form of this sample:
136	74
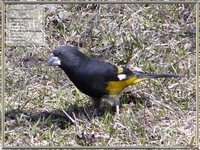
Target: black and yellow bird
96	78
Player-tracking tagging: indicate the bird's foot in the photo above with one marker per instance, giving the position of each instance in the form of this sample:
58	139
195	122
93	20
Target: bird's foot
117	110
94	113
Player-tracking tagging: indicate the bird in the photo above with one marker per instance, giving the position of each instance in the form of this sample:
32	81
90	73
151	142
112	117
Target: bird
96	78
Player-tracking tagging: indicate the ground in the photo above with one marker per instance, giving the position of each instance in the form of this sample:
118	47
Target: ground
43	107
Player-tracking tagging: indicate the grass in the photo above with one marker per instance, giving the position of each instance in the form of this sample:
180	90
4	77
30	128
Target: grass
43	107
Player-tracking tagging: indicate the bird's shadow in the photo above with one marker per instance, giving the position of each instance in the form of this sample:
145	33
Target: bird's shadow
62	118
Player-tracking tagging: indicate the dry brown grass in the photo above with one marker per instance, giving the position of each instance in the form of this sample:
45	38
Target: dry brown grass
155	38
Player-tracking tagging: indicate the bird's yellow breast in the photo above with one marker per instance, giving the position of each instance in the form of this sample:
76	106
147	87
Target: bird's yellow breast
116	87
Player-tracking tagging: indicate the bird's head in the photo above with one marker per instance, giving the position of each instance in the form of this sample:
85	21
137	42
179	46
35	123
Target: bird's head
63	55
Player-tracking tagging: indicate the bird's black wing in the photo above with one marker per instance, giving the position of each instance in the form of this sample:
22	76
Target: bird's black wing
93	76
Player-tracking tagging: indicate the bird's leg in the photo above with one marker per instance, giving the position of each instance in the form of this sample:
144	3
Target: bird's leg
96	105
116	101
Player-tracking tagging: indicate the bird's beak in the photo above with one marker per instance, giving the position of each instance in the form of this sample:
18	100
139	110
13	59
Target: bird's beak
53	60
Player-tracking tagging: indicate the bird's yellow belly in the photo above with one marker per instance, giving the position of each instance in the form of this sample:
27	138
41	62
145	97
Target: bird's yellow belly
116	87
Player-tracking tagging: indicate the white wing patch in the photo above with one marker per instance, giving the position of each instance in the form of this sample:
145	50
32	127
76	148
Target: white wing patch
121	76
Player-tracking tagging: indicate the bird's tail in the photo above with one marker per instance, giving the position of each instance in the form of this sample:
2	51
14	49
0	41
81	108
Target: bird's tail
141	76
154	75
